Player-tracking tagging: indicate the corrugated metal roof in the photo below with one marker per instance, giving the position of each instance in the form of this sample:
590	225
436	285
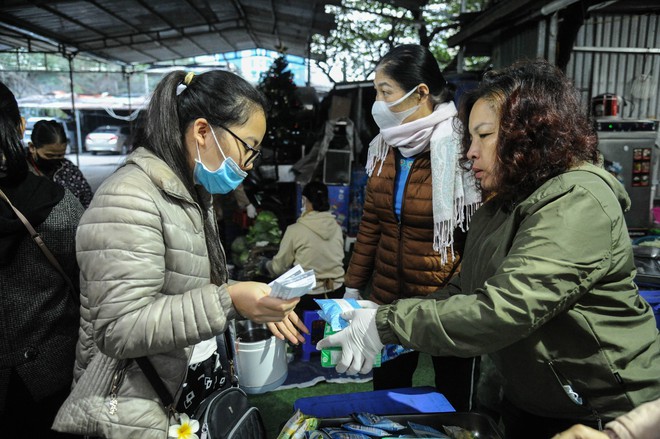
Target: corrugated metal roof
480	30
145	31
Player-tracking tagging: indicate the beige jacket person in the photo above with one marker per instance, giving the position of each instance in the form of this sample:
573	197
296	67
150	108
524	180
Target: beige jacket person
145	290
315	242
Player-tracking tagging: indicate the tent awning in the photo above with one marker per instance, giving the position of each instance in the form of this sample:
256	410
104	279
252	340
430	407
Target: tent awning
145	32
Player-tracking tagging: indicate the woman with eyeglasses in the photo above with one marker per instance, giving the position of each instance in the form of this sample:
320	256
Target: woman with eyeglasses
153	271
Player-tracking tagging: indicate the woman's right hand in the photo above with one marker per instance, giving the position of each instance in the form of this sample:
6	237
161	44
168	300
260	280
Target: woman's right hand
252	301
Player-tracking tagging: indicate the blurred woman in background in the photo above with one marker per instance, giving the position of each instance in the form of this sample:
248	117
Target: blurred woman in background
46	157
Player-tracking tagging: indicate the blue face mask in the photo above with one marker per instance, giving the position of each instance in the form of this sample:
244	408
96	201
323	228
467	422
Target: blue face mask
224	179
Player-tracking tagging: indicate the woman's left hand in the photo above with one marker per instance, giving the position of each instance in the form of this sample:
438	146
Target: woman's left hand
252	301
288	328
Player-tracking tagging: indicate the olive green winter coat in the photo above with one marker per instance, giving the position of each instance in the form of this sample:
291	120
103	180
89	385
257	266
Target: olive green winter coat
546	288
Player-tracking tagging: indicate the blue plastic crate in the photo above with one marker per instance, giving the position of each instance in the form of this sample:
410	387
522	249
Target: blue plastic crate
380	402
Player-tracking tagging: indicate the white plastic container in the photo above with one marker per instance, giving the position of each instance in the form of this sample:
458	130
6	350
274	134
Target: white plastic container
260	358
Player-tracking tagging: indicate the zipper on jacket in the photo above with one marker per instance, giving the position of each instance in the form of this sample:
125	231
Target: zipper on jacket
573	395
399	264
117	379
399	256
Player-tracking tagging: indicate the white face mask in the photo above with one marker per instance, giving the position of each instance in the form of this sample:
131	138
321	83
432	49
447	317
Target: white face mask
386	118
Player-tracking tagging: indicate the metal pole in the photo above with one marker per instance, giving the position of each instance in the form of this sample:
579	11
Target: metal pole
635	50
556	5
130	111
541	40
460	56
73	107
309	64
552	38
128	86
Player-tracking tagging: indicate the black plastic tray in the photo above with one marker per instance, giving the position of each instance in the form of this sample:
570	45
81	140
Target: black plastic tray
481	426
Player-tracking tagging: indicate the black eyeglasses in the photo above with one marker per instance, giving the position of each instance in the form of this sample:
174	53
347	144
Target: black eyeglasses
252	152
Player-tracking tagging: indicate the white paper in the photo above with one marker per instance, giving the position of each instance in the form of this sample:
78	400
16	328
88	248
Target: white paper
294	283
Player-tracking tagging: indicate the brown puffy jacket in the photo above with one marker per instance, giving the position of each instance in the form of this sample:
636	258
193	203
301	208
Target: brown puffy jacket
400	255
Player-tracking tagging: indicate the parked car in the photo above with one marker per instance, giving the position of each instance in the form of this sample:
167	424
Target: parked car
69	128
109	138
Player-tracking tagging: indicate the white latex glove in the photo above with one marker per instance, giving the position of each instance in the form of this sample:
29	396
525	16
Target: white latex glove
359	342
351	293
251	211
367	304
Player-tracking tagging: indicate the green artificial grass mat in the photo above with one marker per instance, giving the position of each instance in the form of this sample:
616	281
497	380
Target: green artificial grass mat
277	407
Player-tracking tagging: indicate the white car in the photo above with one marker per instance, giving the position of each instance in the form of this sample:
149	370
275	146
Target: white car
109	138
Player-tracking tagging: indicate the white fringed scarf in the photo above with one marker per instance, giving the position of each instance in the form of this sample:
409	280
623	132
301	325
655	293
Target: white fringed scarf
455	194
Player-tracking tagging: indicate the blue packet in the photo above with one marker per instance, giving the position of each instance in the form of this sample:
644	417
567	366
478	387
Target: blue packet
391	351
363	429
421	430
371	420
331	310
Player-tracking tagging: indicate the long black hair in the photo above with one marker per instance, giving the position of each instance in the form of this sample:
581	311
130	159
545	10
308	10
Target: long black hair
220	97
13	166
412	64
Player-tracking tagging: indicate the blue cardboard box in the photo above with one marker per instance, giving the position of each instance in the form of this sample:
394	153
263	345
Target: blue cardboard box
653	298
379	402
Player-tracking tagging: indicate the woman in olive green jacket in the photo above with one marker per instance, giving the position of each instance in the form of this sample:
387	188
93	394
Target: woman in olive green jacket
546	286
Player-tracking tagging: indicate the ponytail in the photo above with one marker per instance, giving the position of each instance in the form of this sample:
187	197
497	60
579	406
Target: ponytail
161	132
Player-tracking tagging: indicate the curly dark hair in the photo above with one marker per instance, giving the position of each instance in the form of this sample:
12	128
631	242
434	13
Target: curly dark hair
543	130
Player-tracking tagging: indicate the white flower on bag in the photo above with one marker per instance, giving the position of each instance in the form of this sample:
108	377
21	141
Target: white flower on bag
186	429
